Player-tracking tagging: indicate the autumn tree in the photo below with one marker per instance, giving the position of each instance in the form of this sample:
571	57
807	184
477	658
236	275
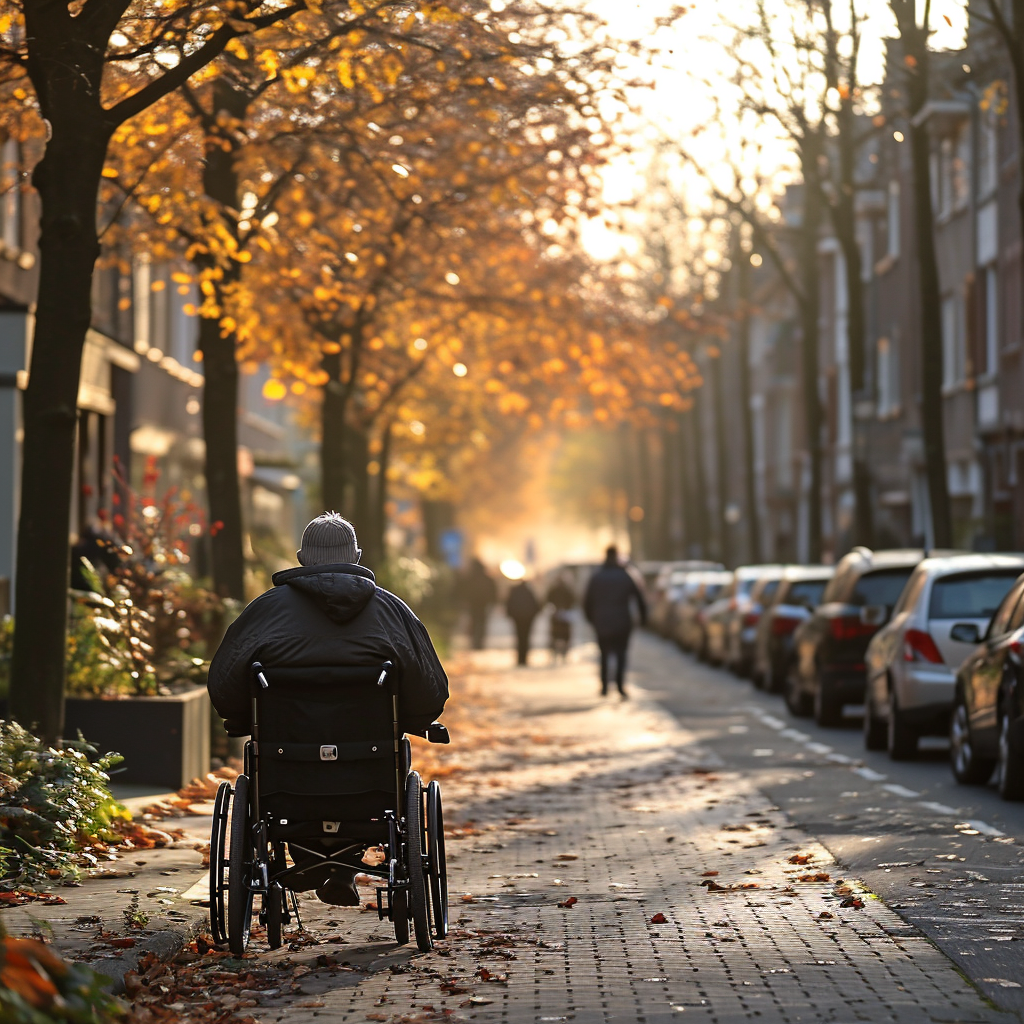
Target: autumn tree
86	68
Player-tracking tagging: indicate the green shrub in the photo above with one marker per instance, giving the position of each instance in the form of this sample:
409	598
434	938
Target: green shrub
53	804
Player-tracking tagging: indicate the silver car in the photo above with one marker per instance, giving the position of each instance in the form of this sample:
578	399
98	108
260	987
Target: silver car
911	662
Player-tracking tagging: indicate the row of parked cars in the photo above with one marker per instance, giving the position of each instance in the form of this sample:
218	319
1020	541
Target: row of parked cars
929	643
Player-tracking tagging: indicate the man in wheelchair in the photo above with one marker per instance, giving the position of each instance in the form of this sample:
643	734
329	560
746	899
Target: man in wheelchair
328	611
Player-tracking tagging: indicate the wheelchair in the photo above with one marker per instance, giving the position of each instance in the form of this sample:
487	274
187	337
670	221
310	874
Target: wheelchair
311	780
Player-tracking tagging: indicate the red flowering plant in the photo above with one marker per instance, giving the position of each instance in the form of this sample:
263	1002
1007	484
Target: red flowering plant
142	623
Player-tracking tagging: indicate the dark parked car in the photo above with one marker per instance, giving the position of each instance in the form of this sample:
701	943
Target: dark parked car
700	591
828	669
720	619
987	728
799	592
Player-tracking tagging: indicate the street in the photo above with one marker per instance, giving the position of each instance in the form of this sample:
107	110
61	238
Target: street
611	862
946	856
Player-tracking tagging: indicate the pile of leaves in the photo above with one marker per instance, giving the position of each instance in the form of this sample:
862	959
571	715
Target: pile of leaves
54	806
38	987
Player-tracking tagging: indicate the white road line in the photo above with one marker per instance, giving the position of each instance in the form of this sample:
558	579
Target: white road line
818	748
984	828
898	790
870	774
794	734
841	759
931	805
773	723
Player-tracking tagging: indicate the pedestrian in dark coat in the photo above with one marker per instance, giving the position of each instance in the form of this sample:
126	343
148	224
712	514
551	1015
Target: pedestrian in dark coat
522	607
481	592
328	611
612	595
562	599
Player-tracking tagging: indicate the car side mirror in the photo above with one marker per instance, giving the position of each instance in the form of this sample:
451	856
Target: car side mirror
965	633
874	614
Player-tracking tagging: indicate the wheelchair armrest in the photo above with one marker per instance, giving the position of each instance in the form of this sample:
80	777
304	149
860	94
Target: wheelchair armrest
437	733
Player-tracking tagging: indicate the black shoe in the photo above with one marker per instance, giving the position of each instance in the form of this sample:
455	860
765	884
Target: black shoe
340	891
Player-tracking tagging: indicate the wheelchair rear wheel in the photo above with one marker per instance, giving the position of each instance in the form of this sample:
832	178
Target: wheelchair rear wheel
240	895
419	889
218	864
436	862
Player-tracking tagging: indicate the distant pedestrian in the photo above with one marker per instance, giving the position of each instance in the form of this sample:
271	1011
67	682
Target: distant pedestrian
613	595
562	599
480	592
522	607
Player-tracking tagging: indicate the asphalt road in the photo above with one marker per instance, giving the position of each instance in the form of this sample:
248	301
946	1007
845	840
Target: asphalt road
947	857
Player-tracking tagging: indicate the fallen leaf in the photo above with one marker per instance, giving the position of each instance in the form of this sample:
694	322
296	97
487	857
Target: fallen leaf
569	903
819	876
825	916
659	919
853	901
710	874
568	856
800	858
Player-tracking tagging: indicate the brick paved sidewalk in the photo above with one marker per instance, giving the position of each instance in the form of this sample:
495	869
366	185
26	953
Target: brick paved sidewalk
612	805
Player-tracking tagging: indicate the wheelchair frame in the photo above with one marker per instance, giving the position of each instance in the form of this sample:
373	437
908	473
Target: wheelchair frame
246	863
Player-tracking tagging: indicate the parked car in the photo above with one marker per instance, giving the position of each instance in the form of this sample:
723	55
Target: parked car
987	725
666	591
827	671
732	603
700	591
745	616
912	660
799	592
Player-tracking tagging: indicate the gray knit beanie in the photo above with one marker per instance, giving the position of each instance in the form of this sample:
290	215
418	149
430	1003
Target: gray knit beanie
328	538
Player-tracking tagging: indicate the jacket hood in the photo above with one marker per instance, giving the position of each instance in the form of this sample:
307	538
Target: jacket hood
341	589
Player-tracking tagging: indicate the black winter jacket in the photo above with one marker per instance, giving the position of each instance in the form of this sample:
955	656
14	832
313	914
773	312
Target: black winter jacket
328	615
610	592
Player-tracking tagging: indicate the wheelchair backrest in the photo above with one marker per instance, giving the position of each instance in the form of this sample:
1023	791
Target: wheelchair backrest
325	741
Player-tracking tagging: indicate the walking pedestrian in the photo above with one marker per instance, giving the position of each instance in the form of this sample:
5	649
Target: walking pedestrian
480	592
613	596
522	607
562	599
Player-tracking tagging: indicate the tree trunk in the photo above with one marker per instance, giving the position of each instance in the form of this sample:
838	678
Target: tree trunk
668	434
725	551
68	180
844	221
332	436
220	429
648	525
809	312
377	526
357	458
627	462
746	413
914	40
701	510
220	391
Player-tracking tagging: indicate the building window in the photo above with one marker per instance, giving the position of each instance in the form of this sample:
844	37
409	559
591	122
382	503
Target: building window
10	185
893	220
989	297
988	154
888	376
953	349
953	172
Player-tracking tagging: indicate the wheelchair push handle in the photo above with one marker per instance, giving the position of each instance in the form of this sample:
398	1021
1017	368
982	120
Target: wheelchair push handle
261	679
435	733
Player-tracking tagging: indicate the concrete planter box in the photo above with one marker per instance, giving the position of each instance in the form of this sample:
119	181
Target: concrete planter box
165	741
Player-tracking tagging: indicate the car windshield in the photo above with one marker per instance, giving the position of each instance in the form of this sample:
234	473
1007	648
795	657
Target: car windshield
974	596
744	587
806	592
711	591
768	591
882	587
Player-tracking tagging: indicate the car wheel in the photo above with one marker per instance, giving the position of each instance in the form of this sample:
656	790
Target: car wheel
874	727
1010	766
967	767
900	736
828	711
796	699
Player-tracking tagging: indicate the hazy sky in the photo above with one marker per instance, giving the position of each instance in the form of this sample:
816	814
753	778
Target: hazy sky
693	70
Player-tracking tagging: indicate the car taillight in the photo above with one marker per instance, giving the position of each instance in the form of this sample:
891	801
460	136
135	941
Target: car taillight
750	619
850	627
783	625
919	646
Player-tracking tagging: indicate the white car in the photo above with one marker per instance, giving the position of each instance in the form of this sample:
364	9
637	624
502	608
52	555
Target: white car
911	662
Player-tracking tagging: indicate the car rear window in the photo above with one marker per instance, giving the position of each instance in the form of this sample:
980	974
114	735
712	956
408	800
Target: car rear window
806	592
768	590
973	596
711	591
881	587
